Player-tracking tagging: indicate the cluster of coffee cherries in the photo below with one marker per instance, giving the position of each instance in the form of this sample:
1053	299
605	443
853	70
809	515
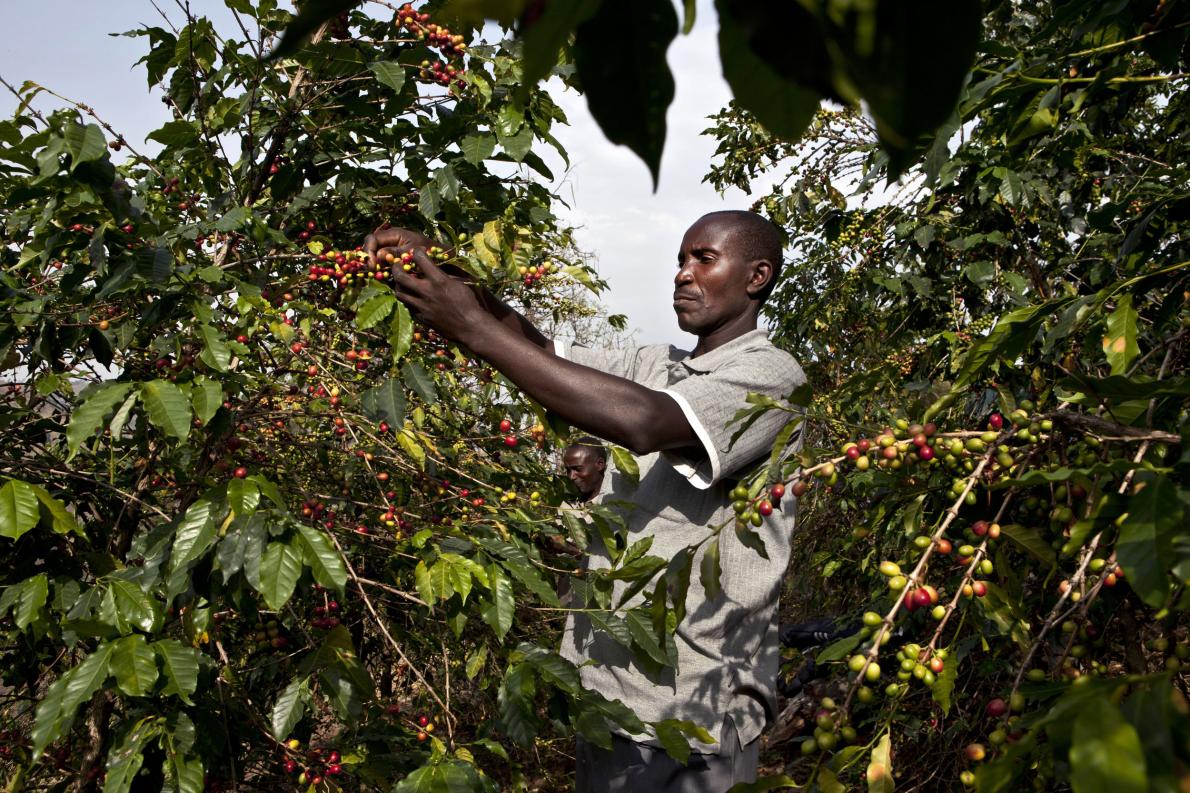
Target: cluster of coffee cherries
830	729
754	510
409	265
436	35
425	726
345	267
442	73
270	636
327	615
534	272
319	764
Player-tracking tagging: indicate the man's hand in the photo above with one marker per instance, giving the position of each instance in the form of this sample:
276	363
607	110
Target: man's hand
449	305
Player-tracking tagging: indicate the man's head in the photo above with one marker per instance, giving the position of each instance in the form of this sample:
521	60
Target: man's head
727	267
585	461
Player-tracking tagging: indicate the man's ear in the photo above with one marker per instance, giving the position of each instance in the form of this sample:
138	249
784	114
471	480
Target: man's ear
762	273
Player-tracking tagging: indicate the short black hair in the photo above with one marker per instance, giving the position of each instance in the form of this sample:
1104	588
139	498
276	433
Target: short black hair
587	442
758	238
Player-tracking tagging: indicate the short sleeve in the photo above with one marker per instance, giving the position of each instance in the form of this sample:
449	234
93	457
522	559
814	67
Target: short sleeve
710	401
621	363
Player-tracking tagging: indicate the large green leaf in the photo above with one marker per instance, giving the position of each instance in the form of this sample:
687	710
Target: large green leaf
86	419
400	332
709	571
1119	343
194	534
784	108
374	310
215	352
84	143
447	776
207	397
61	520
389	73
132	606
499	611
629	94
290	707
626	464
180	664
25	599
1144	548
386	401
18	509
323	558
134	665
1105	752
280	568
168	408
311	15
55	712
126	757
545	36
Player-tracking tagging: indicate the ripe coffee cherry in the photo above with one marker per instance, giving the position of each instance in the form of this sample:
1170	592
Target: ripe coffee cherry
777	492
510	440
995	421
505	425
765	508
925	453
921	597
799	488
240	472
996	708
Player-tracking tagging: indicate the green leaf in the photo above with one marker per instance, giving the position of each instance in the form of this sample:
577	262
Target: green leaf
374	310
419	382
207	397
879	773
125	759
626	464
386	401
640	625
709	571
477	148
194	534
243	496
86	419
134	666
629	94
389	73
498	612
400	332
55	712
447	776
280	568
83	143
310	16
838	650
1119	345
168	407
323	558
215	353
783	107
180	664
1144	548
132	605
18	509
1030	540
290	707
674	734
1105	752
63	522
175	133
546	36
781	782
26	599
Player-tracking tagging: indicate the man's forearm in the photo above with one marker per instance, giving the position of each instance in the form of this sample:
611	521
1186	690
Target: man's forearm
610	407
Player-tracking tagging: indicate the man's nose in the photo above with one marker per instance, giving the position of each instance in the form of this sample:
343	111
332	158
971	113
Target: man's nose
684	275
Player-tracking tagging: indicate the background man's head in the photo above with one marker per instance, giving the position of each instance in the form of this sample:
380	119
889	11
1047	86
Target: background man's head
585	461
727	267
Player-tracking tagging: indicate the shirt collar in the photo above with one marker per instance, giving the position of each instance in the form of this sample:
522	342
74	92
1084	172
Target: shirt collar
726	353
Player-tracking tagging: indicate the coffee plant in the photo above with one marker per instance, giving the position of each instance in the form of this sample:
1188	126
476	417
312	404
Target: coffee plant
264	529
997	348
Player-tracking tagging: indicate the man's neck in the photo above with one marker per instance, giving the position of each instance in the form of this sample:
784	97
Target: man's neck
724	334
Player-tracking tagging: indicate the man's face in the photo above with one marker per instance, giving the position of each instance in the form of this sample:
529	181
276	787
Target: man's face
711	288
585	469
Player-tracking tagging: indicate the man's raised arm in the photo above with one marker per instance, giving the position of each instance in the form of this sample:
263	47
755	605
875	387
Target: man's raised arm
611	407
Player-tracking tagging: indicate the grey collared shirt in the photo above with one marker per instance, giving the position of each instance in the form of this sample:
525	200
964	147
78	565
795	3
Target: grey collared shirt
727	647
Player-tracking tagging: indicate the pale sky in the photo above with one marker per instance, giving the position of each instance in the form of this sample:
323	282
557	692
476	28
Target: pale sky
633	232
